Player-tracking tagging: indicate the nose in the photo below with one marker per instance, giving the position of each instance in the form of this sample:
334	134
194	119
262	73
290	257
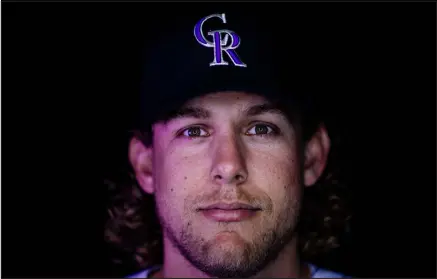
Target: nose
229	164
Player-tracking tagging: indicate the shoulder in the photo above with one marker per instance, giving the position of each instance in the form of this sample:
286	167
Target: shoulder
317	272
144	273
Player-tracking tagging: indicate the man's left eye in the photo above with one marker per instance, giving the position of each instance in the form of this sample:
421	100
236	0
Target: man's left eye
260	129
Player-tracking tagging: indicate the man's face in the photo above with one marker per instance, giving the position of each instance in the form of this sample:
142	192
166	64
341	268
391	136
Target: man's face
228	182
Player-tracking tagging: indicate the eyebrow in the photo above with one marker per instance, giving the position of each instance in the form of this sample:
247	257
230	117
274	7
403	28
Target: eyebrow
201	113
262	109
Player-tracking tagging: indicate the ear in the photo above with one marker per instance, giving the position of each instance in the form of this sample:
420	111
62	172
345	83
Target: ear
140	158
316	155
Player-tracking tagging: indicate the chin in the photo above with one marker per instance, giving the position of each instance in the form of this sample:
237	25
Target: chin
227	236
227	247
227	260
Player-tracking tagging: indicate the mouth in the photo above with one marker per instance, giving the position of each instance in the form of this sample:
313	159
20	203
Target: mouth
233	212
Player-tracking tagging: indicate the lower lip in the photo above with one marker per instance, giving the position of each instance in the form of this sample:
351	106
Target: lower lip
237	215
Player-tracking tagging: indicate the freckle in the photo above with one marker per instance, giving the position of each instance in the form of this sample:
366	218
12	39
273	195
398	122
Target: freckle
171	189
185	177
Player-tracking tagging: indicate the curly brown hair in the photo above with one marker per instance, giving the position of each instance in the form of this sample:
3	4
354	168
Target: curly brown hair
134	234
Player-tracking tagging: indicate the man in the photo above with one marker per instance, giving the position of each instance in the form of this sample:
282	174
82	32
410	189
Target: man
227	148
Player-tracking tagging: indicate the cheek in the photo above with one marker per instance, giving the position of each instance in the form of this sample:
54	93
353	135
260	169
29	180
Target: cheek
177	181
279	176
181	174
279	169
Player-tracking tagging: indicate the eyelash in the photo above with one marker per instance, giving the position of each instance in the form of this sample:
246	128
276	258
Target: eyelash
274	131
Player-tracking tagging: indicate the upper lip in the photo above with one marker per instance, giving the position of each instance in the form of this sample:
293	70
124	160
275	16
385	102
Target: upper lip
230	206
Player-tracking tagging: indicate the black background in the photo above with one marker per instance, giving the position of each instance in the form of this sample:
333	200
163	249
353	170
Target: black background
70	76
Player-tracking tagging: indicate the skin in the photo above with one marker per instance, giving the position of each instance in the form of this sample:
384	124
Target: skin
229	156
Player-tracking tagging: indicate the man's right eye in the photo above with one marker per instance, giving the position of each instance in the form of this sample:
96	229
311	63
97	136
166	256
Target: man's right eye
193	132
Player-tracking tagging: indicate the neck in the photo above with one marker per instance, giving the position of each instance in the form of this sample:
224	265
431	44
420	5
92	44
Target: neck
286	265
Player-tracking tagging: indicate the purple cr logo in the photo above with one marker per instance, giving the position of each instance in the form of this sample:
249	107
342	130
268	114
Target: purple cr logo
219	44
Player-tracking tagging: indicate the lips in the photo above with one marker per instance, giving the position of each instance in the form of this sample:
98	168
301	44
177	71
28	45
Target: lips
233	212
230	206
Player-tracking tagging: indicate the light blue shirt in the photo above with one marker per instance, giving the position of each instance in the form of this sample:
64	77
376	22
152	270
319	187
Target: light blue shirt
315	273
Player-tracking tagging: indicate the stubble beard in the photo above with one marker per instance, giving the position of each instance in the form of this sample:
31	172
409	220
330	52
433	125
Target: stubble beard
244	261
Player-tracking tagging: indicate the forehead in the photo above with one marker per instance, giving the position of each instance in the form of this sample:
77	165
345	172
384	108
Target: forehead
228	104
227	99
231	100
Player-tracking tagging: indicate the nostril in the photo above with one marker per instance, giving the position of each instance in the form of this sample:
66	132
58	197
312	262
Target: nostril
237	178
218	177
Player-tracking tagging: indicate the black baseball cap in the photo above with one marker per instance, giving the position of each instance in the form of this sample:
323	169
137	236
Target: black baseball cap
223	51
